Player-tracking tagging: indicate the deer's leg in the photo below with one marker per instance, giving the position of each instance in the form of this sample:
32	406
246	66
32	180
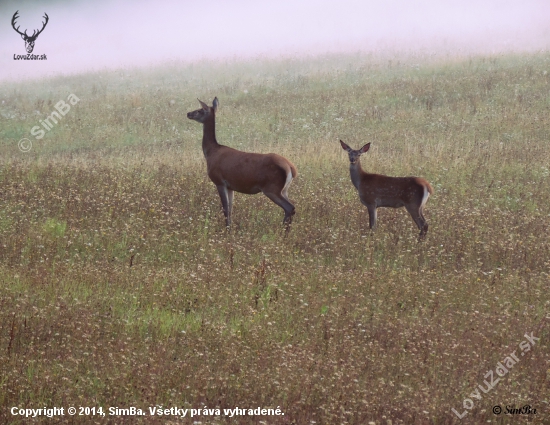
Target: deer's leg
285	205
289	211
372	216
229	203
424	229
418	217
224	197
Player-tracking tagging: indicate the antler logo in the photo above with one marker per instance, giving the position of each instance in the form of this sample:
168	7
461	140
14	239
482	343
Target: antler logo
29	39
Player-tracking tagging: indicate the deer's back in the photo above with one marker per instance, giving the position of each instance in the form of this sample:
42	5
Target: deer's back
247	172
385	191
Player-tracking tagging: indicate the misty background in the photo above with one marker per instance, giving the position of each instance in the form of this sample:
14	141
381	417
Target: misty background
95	35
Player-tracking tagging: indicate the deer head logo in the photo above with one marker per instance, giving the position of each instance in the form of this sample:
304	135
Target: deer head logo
29	39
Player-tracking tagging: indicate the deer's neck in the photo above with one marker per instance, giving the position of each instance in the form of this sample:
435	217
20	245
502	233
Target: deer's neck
209	142
356	172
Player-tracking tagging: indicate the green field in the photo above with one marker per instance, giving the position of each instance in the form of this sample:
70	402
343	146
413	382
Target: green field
120	287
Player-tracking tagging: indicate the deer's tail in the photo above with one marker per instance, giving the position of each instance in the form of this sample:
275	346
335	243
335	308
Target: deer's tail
430	188
293	169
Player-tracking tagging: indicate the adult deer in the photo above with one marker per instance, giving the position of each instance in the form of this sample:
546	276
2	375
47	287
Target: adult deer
376	190
232	170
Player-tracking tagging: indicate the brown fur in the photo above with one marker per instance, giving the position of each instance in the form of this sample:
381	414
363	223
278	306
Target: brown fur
377	190
247	172
232	170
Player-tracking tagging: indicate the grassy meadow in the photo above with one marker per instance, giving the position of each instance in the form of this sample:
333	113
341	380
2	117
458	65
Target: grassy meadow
120	287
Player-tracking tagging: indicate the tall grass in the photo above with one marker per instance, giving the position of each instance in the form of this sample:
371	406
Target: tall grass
120	286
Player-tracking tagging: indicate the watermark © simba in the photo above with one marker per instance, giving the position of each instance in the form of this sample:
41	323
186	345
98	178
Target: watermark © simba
511	410
49	122
501	370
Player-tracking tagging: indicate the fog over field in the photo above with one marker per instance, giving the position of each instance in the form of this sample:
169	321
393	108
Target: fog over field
121	286
84	36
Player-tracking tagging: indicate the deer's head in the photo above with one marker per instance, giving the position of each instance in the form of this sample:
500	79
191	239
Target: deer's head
201	115
354	154
29	39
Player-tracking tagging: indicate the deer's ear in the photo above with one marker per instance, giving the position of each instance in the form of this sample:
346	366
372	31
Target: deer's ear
23	36
344	146
215	104
365	148
204	105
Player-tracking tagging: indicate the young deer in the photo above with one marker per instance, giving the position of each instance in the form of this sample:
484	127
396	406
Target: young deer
376	190
232	170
